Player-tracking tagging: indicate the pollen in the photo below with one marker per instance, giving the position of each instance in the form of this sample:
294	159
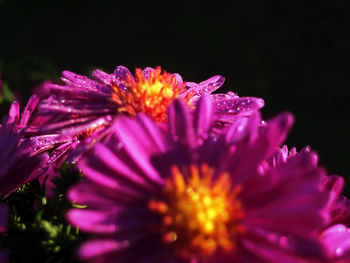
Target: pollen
201	214
151	96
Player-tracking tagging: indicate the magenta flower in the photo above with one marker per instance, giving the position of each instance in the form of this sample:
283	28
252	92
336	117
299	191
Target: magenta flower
84	107
181	195
22	158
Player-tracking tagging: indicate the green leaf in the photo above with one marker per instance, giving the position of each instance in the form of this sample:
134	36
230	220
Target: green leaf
7	95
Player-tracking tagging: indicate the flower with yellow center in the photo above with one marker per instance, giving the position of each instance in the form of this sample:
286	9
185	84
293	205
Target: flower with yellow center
151	95
201	214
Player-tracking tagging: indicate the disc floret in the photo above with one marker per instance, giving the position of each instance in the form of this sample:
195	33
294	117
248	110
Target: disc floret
201	214
151	95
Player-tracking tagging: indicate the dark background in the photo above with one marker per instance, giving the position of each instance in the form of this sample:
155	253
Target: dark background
295	55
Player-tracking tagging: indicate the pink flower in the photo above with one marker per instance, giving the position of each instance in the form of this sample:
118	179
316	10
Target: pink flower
181	195
22	158
84	107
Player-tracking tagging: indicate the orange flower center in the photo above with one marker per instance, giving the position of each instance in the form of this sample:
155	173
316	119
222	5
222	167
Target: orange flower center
151	96
201	215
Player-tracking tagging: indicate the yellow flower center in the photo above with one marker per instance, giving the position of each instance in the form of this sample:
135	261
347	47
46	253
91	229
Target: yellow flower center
151	96
201	214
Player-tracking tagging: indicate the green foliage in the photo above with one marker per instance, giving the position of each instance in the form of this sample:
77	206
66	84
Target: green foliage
6	94
37	229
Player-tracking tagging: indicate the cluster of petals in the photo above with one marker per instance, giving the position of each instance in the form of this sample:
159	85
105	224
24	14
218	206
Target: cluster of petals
21	159
336	234
276	205
25	157
174	173
84	108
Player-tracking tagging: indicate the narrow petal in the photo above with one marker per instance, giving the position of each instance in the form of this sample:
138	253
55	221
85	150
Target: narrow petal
180	124
136	142
203	117
28	110
92	221
242	106
94	248
337	241
204	88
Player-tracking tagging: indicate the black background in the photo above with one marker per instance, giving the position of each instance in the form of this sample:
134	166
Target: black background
294	54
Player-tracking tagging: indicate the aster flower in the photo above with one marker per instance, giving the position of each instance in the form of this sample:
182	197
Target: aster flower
179	195
22	158
85	107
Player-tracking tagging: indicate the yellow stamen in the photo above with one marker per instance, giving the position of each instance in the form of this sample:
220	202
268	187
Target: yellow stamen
151	96
202	214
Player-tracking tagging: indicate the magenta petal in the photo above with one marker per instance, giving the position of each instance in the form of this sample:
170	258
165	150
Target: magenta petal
121	73
103	177
21	169
239	130
95	124
60	152
270	247
147	72
204	88
96	247
277	131
67	124
337	241
178	78
334	184
242	106
28	110
203	117
85	194
340	211
121	171
303	219
78	81
13	116
153	132
114	220
22	158
101	76
97	92
92	221
136	142
180	124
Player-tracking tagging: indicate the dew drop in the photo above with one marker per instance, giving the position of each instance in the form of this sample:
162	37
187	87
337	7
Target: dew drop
339	252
